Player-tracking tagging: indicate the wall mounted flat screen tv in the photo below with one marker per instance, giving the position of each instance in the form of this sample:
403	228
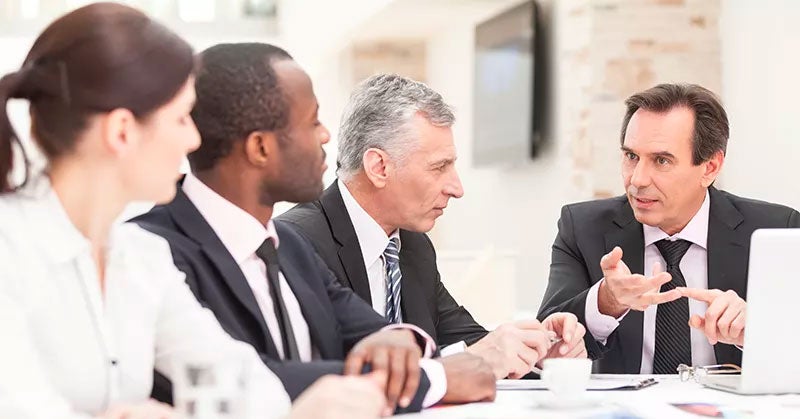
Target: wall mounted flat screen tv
508	87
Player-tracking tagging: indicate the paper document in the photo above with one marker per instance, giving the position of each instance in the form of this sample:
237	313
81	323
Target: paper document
595	384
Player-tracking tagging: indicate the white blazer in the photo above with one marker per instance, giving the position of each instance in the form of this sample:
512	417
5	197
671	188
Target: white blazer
69	351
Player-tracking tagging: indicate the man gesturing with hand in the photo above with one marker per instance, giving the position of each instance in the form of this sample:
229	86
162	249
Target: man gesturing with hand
725	317
621	290
671	224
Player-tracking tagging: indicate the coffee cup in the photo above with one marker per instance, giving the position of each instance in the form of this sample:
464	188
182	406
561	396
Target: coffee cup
567	378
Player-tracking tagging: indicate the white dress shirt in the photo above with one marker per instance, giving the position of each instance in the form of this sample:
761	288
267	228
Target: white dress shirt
71	349
373	242
242	235
694	267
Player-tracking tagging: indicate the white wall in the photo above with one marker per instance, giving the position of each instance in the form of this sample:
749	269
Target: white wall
512	210
761	90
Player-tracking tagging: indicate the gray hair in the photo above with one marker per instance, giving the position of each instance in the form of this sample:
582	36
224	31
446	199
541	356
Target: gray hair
378	115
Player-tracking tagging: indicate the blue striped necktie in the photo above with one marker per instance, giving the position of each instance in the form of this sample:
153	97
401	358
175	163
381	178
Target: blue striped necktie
393	276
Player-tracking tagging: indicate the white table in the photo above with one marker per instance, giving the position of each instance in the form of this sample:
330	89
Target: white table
650	402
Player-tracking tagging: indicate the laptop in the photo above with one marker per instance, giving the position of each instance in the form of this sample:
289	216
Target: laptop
771	358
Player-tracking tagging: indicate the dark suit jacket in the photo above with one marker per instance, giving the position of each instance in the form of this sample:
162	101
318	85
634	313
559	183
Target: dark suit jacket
337	319
588	230
425	301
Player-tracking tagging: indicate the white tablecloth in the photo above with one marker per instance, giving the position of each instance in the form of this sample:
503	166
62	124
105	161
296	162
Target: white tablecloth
651	402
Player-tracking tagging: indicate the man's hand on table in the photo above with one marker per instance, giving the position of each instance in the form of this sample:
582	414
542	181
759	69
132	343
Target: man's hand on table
469	379
512	348
566	327
396	354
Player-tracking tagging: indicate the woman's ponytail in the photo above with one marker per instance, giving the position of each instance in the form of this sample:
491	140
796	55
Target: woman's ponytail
9	86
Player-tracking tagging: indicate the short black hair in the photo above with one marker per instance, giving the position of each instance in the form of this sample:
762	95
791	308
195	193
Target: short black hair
237	93
711	130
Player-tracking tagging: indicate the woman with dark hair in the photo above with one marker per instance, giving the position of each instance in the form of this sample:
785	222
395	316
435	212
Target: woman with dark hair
89	307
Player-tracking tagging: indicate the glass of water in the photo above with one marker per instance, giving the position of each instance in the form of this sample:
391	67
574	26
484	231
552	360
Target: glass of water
210	387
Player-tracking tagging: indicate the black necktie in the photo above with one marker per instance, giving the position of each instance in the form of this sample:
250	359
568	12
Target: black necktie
673	336
269	255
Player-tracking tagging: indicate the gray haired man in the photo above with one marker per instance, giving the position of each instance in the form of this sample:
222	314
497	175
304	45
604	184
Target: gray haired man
397	174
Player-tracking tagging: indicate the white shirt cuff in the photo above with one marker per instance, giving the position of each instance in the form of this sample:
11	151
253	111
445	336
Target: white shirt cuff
453	349
435	372
600	325
430	344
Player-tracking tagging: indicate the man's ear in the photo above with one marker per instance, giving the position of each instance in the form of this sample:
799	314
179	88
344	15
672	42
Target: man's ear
119	130
712	168
260	147
377	166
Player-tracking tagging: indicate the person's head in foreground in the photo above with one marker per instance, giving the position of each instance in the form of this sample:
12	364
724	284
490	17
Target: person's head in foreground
110	93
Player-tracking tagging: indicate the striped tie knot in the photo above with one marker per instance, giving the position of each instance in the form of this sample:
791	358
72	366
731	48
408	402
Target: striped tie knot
673	251
393	249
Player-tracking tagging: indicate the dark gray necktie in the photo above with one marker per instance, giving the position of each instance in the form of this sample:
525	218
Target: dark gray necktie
673	335
269	255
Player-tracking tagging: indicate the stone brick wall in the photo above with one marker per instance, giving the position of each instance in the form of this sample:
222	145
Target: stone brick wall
633	45
404	57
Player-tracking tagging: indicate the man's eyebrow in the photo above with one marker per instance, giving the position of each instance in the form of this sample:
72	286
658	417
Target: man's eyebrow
663	154
444	161
655	154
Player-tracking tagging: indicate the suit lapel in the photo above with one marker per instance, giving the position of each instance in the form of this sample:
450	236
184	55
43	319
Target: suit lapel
413	301
727	254
345	235
727	248
193	225
627	233
320	323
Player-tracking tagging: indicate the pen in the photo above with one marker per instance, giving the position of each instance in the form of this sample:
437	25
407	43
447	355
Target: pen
553	340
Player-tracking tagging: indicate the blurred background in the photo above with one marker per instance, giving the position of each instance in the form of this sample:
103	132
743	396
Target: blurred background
538	89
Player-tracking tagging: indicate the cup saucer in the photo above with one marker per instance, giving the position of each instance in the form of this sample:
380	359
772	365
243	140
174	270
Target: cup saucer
583	402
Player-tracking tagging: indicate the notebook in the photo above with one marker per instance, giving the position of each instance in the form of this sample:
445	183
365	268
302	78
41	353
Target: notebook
595	384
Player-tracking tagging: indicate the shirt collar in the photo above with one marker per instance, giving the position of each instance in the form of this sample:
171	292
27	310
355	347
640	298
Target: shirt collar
240	233
48	222
696	231
371	237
